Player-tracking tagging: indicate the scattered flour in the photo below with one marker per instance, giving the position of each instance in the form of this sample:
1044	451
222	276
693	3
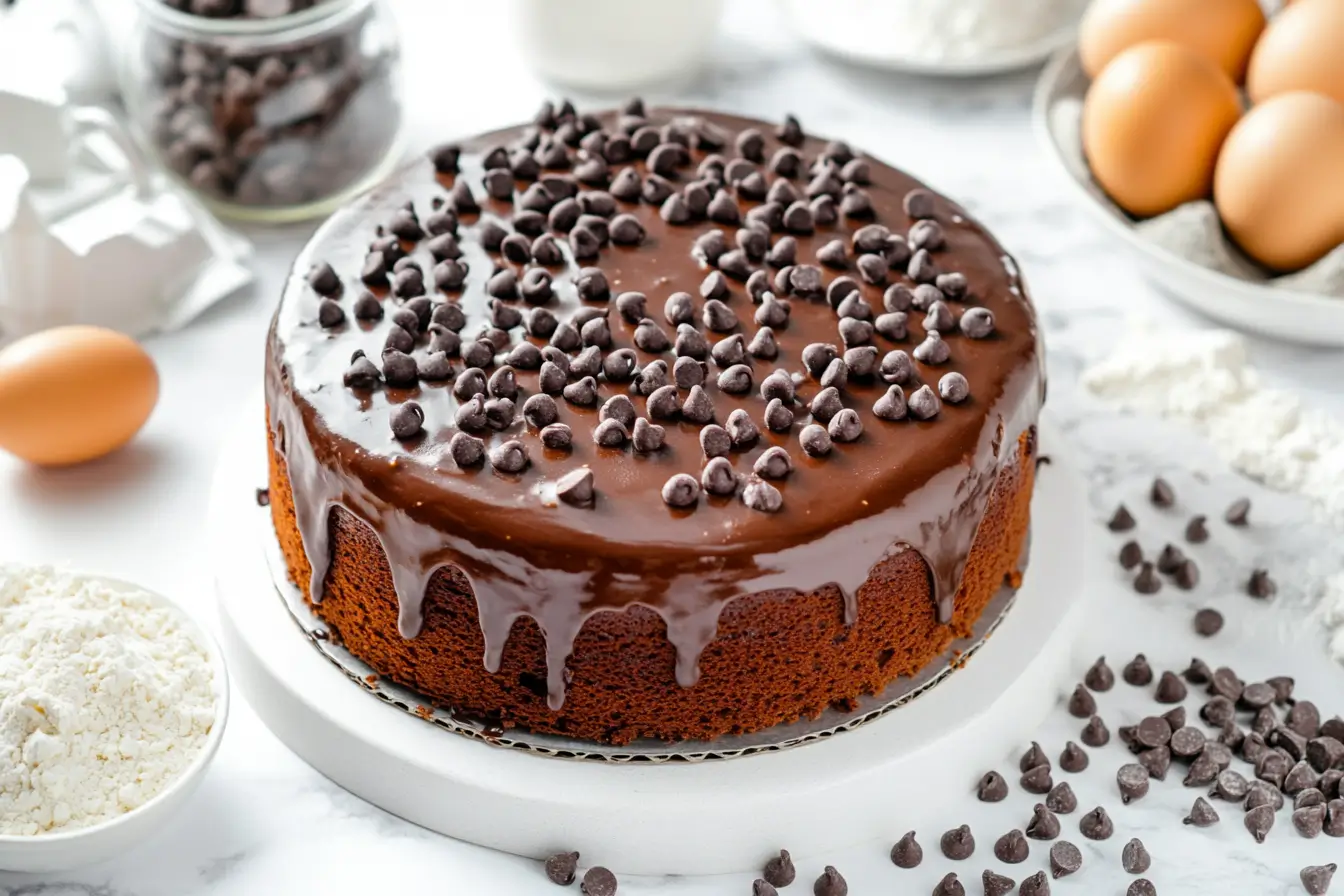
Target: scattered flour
104	700
1203	378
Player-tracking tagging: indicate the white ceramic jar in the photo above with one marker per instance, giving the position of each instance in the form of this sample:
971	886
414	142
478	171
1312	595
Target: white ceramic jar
616	45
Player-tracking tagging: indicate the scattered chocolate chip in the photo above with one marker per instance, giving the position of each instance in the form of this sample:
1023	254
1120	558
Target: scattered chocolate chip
1316	878
1037	780
958	843
1203	771
1134	858
1099	676
1157	761
560	868
1334	818
576	487
996	884
1011	848
499	413
1036	885
1208	622
949	886
1152	731
1097	825
1044	825
698	408
845	426
1147	581
814	439
1082	704
1073	759
1133	782
992	788
690	343
582	392
891	405
774	463
1261	586
682	490
831	883
761	495
1137	672
1217	711
779	871
1170	689
1065	858
1258	822
1033	757
1196	531
761	887
1300	777
598	881
953	387
407	420
647	437
1061	799
1095	733
626	230
1202	815
1309	821
923	403
1187	742
1121	520
1238	512
1170	559
918	204
1187	575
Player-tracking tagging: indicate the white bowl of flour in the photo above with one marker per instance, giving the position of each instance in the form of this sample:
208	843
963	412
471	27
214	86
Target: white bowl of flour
113	702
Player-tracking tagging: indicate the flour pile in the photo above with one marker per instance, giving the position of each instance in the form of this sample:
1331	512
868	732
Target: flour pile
1204	379
105	700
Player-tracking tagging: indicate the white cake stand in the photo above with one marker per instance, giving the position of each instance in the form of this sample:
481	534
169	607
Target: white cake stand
641	818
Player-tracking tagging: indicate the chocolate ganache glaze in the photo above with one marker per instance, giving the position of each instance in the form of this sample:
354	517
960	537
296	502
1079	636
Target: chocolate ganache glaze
915	478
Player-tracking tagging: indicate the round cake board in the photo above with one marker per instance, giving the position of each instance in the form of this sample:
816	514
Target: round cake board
710	817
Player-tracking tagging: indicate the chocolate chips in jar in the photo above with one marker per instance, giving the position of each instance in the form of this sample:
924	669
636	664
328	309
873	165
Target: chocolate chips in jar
279	106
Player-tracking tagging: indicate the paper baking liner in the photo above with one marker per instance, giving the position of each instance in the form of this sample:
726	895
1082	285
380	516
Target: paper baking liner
780	737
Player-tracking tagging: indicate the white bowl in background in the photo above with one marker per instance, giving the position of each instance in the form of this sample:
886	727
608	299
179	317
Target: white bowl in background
1261	308
77	848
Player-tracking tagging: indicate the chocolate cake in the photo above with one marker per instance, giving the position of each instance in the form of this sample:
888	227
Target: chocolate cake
651	424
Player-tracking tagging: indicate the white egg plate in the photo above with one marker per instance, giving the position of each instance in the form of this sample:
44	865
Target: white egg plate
1306	307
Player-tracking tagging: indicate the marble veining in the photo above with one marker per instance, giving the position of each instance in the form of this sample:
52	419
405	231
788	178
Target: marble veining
263	822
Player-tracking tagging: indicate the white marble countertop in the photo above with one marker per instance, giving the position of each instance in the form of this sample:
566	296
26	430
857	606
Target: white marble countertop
264	822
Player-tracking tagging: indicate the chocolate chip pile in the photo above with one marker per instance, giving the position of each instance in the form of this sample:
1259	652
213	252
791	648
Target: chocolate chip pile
1172	562
568	183
294	123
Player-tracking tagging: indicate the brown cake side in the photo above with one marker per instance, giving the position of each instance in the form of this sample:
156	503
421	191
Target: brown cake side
778	656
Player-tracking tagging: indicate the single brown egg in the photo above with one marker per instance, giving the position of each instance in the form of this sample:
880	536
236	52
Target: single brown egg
1303	49
1153	122
71	394
1279	186
1222	30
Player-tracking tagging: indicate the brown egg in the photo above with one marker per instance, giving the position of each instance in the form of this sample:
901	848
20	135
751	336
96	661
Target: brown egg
1153	121
72	394
1303	49
1280	180
1222	30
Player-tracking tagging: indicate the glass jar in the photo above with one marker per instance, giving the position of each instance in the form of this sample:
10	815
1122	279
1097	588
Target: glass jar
271	119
